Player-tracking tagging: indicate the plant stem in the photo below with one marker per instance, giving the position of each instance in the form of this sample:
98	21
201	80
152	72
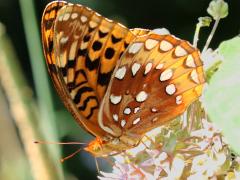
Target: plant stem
24	111
40	76
211	34
196	35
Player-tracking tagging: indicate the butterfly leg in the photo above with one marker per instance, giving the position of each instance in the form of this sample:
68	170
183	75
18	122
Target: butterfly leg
146	146
71	155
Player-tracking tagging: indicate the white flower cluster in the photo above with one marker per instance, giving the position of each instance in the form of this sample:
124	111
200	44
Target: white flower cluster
190	148
175	152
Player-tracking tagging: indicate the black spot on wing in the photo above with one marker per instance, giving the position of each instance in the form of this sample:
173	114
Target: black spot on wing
86	38
109	53
81	71
49	23
72	85
55	8
102	34
83	107
104	78
97	45
81	83
82	90
91	65
50	45
125	45
91	112
64	71
90	29
115	39
82	52
71	63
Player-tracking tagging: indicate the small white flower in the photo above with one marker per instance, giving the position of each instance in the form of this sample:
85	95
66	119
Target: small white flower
163	156
217	146
199	164
208	130
177	168
121	172
203	144
209	165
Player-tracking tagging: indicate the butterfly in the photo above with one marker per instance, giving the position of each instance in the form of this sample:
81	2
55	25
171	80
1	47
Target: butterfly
118	83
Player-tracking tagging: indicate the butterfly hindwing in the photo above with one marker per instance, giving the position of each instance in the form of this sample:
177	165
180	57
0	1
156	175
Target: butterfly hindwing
48	24
156	79
48	20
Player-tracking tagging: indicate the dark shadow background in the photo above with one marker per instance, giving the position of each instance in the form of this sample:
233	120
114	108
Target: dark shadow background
179	17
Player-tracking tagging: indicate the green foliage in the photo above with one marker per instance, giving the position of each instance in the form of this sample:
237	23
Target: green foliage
222	96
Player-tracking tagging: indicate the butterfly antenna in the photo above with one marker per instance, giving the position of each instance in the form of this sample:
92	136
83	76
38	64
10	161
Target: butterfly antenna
61	143
71	155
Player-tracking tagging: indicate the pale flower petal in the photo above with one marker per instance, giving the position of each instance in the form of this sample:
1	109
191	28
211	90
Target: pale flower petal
217	143
177	166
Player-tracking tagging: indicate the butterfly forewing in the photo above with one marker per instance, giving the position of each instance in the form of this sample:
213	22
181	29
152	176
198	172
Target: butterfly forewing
156	79
48	20
48	23
82	48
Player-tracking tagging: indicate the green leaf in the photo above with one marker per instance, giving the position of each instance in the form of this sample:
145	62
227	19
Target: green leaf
222	97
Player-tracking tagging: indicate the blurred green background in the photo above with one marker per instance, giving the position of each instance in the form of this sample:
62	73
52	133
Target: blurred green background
29	107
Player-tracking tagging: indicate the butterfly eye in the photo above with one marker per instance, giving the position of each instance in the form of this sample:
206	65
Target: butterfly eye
96	148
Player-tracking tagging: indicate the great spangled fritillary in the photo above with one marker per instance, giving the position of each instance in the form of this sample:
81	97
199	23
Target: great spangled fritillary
117	83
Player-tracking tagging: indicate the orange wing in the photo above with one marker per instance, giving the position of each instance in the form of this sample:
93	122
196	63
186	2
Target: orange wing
157	78
81	49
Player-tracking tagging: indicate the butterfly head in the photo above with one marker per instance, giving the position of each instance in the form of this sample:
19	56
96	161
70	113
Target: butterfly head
101	148
112	146
95	146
